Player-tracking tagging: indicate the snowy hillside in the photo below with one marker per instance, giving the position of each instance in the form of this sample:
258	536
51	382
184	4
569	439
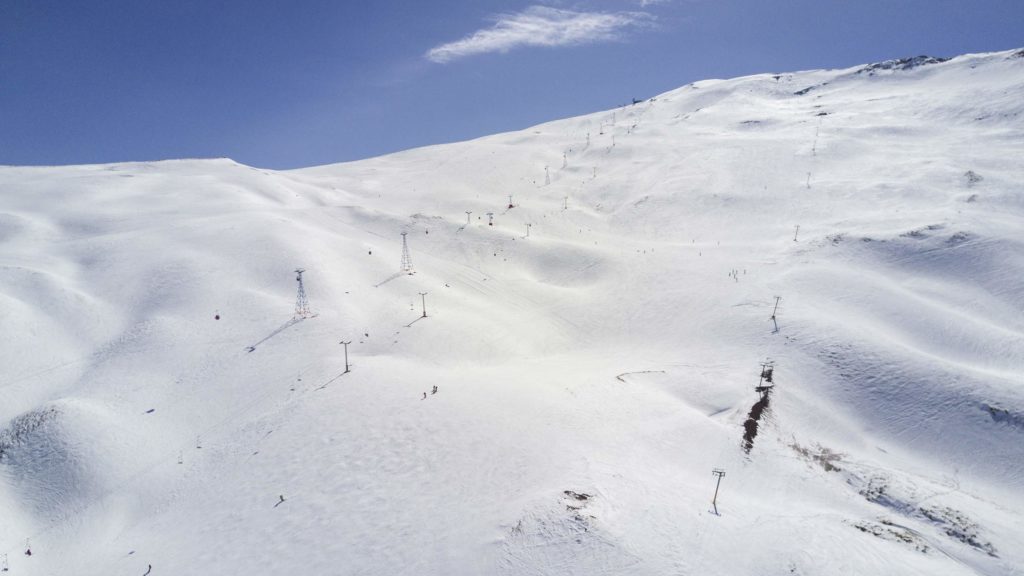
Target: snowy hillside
597	327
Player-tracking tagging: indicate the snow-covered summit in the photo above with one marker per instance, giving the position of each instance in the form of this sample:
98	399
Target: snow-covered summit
808	280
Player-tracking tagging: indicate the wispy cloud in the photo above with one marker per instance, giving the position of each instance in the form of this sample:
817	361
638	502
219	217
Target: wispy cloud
541	26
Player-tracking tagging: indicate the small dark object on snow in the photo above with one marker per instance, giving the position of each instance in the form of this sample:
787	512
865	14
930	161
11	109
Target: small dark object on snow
434	391
149	568
577	495
424	396
151	410
279	502
216	316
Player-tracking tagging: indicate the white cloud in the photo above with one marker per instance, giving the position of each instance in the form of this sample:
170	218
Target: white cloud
541	26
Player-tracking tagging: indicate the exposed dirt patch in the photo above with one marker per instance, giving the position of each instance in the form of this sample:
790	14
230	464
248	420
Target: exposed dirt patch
922	233
900	64
878	492
21	427
971	178
565	539
953	523
888	531
750	426
959	238
820	455
1004	416
808	89
958	527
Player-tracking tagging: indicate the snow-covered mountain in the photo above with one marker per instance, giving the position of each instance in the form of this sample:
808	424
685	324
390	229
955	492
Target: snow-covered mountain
602	297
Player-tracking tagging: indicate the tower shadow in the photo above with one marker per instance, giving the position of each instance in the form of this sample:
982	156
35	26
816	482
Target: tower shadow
293	321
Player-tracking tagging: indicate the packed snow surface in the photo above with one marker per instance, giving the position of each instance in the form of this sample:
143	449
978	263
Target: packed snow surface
596	326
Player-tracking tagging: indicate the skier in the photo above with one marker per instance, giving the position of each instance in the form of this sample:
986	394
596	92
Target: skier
279	502
435	390
149	568
424	396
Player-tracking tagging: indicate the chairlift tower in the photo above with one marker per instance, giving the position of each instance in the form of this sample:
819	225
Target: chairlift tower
406	259
774	310
301	302
347	370
719	473
765	383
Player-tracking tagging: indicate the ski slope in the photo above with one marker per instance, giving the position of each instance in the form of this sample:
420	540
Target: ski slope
596	348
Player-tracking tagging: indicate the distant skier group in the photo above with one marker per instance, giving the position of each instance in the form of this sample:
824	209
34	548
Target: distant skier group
432	392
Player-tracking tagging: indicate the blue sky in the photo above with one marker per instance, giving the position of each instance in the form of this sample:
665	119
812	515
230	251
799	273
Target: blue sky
285	84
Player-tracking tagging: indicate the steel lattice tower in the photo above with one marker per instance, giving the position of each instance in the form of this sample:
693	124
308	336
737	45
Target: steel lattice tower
301	302
406	259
